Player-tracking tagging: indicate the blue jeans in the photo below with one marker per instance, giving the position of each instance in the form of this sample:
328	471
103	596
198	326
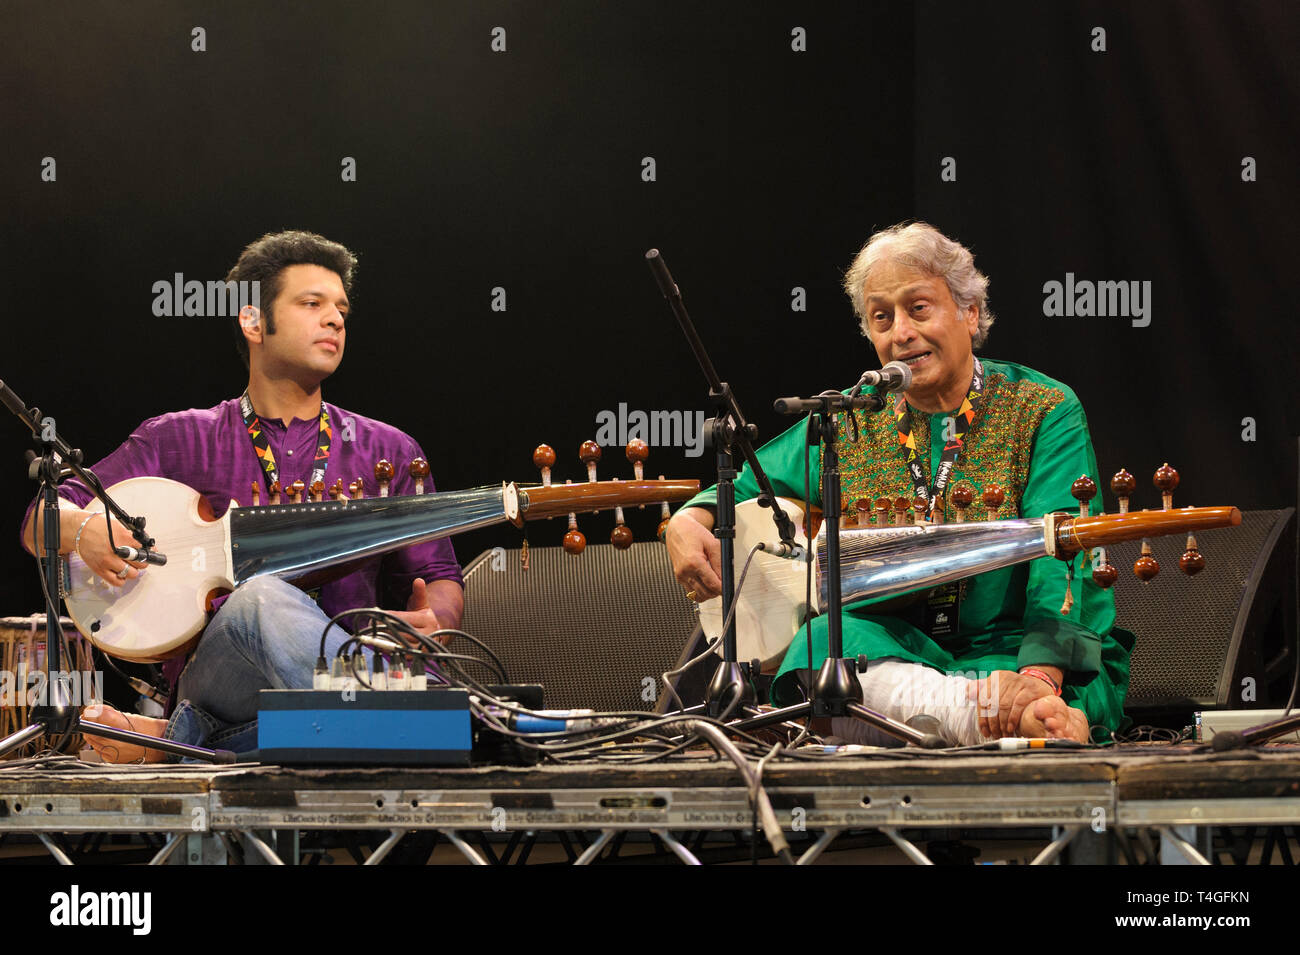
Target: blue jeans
265	636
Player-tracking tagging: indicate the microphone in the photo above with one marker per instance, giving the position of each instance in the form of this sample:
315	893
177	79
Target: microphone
1233	739
782	549
145	556
827	400
896	376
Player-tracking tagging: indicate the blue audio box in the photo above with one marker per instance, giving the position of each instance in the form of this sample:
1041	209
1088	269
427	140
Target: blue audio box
367	727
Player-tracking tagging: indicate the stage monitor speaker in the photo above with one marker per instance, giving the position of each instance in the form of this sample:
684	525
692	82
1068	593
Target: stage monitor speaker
1225	638
596	629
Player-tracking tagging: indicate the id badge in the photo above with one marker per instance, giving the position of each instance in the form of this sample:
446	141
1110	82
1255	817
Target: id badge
943	610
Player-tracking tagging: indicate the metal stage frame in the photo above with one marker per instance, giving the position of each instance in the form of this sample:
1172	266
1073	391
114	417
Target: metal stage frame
257	813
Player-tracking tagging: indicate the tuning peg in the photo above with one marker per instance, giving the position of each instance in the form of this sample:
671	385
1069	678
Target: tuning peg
357	489
275	492
884	511
962	497
419	471
664	517
1146	566
919	505
257	493
862	507
589	452
901	505
1122	486
384	472
574	540
1105	573
1083	491
544	458
637	451
993	499
1191	563
336	491
1166	479
621	536
296	492
317	491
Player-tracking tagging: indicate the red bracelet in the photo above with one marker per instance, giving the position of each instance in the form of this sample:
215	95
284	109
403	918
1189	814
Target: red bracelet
1034	671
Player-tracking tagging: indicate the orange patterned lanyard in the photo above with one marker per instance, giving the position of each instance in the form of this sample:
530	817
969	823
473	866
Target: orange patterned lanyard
961	424
257	434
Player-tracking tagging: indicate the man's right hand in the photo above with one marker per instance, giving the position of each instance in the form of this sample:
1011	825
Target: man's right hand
99	557
696	554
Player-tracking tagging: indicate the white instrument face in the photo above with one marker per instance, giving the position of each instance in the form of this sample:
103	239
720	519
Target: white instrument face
771	606
158	614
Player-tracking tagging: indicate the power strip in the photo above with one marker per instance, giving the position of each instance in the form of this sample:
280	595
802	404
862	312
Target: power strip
1210	722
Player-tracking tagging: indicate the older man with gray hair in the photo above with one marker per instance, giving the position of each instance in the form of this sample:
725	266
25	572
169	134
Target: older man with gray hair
993	655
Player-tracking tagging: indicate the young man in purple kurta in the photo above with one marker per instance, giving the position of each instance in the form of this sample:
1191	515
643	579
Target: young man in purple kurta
267	634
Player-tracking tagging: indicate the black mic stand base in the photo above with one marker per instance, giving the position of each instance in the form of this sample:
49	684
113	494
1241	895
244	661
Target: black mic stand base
837	692
729	689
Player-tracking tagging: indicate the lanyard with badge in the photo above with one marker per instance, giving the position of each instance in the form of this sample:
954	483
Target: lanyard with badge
942	604
257	434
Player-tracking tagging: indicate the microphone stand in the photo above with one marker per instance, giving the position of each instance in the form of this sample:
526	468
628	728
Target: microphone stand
55	716
728	431
835	690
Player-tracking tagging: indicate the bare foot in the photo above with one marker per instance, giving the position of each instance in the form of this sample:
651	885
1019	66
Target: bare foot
1050	717
113	751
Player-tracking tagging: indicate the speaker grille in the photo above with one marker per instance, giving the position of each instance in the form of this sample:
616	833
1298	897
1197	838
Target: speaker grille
1184	625
589	628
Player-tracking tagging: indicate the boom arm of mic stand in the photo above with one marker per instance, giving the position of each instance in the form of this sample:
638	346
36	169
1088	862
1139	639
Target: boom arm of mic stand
743	431
71	460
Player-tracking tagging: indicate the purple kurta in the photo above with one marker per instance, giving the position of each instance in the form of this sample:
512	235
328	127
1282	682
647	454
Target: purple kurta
210	450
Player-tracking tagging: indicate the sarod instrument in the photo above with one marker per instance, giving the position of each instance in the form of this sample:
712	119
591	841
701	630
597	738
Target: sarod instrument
162	612
887	560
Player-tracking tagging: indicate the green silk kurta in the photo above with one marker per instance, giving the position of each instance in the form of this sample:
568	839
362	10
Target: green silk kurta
1030	436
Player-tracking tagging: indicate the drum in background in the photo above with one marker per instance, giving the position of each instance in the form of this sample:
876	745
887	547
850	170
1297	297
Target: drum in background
22	652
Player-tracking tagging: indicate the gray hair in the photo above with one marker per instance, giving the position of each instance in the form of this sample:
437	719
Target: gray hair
922	247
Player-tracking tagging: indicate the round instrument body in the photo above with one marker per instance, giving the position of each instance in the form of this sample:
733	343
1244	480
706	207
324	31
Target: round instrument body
160	613
771	606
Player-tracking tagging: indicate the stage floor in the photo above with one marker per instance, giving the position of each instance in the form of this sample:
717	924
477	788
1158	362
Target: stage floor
1121	789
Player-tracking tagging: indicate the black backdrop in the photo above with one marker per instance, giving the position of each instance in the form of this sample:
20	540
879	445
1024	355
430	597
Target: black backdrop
523	170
